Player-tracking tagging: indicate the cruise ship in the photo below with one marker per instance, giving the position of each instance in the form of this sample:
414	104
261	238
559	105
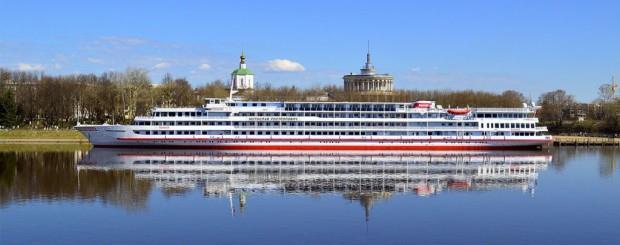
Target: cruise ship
229	124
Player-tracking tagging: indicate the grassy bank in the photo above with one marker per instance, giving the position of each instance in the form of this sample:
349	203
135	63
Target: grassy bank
41	134
44	147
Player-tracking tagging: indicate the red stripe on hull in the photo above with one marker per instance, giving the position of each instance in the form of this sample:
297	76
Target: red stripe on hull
328	147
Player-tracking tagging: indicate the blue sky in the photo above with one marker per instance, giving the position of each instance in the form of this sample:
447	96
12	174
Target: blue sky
530	46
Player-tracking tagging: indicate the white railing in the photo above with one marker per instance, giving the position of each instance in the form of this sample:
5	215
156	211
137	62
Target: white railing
500	110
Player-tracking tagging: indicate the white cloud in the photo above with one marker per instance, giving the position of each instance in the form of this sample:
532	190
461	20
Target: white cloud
161	65
416	69
284	65
29	67
204	66
94	60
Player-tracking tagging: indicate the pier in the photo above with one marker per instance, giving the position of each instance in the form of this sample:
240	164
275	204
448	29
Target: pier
585	141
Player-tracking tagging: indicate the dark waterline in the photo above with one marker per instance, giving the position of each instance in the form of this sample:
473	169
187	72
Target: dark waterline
108	196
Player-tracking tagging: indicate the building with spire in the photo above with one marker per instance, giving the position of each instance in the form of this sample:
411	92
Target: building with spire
368	81
242	78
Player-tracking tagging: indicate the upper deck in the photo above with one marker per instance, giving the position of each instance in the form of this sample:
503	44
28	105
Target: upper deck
219	108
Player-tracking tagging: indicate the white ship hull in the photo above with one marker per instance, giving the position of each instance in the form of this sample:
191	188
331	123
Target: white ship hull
124	136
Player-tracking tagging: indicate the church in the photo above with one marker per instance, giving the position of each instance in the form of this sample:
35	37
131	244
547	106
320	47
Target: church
242	78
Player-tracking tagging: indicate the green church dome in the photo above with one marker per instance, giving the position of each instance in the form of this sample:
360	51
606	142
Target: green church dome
242	72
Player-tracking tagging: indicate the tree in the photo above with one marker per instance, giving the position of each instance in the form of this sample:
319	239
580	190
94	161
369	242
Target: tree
606	92
512	98
136	92
7	109
174	92
555	106
215	89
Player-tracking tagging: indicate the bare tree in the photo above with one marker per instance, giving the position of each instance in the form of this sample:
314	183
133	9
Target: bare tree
555	106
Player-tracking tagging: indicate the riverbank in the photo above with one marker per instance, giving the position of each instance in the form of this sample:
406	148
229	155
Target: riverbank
27	136
561	140
43	147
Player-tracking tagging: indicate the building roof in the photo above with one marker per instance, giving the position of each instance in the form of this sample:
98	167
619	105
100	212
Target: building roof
242	72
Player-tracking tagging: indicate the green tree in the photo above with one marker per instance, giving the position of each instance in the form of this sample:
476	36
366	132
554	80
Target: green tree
8	109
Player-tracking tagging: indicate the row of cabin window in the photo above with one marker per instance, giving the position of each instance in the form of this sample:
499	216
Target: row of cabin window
179	114
390	133
460	124
298	124
508	125
341	115
326	107
502	115
318	124
342	107
228	132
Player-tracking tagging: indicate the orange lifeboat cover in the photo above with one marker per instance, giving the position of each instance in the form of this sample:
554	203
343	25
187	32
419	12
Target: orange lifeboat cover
462	111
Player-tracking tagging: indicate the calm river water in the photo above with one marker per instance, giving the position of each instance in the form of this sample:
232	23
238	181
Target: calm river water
110	196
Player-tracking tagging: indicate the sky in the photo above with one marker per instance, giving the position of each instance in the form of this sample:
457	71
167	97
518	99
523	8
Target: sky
529	46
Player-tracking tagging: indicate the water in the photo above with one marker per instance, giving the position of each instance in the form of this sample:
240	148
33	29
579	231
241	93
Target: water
561	196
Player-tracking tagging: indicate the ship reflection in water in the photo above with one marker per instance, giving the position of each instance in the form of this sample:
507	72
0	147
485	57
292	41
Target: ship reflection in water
361	176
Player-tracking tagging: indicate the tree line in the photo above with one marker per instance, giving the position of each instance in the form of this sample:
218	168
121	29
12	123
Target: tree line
36	100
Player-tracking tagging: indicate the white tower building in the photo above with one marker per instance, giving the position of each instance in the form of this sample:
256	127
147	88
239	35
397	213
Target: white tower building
242	78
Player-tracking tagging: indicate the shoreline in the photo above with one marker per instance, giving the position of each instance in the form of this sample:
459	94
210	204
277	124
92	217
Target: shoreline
22	136
71	136
43	141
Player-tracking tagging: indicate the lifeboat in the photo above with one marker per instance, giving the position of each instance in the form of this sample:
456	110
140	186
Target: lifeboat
462	111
